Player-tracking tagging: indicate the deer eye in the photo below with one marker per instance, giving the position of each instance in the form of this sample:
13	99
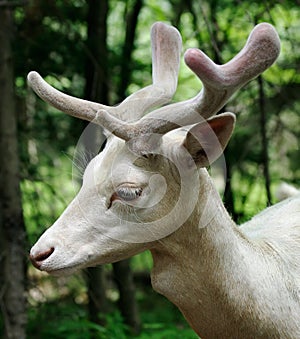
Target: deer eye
129	193
126	193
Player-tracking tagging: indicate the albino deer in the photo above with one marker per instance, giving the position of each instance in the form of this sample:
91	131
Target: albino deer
149	189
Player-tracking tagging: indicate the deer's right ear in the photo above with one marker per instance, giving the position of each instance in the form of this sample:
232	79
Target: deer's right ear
207	140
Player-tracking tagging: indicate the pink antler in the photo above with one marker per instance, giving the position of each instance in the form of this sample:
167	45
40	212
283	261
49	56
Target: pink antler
221	81
219	84
166	48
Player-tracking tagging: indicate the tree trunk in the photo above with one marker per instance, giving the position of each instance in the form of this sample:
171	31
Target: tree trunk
98	304
97	52
128	47
264	139
128	306
12	293
228	193
96	89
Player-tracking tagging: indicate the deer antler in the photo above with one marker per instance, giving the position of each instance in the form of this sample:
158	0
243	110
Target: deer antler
219	84
221	81
166	49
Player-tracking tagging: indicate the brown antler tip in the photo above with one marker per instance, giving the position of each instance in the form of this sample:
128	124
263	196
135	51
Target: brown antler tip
197	60
203	66
265	37
166	30
159	25
266	29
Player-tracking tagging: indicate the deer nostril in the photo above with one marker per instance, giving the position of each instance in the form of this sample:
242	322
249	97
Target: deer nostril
40	257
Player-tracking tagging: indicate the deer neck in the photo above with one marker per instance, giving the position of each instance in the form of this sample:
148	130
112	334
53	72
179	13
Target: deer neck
199	267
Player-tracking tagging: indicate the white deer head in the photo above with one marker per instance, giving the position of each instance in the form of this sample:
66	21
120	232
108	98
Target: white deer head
149	179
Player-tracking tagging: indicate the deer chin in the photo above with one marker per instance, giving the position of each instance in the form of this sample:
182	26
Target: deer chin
71	268
64	271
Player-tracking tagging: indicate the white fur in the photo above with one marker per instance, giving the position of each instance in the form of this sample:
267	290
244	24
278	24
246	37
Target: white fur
228	281
153	193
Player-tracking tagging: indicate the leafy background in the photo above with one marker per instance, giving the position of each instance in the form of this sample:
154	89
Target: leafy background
53	38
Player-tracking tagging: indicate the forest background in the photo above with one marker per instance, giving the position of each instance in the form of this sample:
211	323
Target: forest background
100	50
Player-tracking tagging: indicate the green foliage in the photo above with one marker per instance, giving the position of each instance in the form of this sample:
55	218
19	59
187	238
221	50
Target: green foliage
59	321
46	193
63	318
161	319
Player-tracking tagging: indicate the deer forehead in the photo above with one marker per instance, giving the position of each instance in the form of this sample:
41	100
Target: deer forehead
114	166
117	164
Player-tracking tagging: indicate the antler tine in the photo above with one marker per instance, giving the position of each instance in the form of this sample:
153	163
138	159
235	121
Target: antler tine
219	84
166	48
221	81
76	107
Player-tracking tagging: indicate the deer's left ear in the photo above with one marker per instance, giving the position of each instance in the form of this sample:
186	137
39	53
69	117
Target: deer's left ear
207	140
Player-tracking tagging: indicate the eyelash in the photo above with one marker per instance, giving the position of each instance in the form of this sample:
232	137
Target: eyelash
126	194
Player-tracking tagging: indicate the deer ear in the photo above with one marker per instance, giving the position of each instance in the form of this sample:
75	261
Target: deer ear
207	140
